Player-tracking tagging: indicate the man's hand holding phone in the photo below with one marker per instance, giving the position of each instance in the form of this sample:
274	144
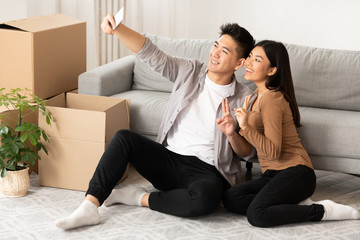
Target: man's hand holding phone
111	22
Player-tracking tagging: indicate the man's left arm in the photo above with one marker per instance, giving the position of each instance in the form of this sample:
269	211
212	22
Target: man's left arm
240	146
226	125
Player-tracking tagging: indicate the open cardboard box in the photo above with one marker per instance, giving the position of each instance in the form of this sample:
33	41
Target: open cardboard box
82	127
45	54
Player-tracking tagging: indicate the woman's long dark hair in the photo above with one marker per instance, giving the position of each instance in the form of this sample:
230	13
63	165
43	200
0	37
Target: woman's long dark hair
282	79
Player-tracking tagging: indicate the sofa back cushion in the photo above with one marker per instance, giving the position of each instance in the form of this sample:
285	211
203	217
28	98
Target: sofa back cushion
325	78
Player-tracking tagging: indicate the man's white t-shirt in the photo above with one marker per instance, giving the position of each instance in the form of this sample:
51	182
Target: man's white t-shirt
193	131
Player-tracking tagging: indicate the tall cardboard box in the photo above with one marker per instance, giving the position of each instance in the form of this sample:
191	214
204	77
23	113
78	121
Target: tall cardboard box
82	127
45	54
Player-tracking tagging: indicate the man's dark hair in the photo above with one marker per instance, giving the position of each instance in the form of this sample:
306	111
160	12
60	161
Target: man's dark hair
241	36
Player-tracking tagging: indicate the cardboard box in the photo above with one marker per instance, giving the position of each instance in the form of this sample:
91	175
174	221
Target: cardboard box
82	127
45	54
10	117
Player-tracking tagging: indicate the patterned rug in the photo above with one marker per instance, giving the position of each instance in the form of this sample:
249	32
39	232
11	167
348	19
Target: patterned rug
33	217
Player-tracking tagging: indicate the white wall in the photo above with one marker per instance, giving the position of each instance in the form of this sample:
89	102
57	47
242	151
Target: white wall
318	23
12	9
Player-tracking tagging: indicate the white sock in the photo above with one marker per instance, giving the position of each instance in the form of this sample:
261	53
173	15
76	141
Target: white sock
86	214
307	202
336	211
127	194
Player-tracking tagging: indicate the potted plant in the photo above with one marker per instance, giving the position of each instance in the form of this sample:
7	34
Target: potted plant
20	139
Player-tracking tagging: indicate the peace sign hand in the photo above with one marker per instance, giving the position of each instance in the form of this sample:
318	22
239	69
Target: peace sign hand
226	123
242	113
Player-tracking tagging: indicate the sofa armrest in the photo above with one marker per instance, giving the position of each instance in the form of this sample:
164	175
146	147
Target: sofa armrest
108	79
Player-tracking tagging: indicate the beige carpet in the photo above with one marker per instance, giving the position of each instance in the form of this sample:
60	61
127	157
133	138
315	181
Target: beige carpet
33	217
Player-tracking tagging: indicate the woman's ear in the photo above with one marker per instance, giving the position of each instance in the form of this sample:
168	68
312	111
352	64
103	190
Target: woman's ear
240	64
272	71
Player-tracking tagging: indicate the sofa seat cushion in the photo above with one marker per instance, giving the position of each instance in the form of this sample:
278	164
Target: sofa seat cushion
333	133
146	110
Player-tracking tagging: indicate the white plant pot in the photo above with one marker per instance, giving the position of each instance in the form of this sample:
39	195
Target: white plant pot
15	183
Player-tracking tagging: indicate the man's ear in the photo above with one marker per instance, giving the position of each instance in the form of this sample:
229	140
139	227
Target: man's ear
272	71
240	64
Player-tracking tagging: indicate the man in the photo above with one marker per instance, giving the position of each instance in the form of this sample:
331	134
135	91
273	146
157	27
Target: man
193	160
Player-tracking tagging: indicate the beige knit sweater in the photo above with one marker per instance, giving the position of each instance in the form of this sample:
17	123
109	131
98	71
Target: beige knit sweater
271	130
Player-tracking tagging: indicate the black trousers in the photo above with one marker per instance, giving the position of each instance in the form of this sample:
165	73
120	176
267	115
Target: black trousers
272	199
188	186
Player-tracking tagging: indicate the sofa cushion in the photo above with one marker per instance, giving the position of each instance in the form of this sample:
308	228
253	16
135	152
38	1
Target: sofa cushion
325	78
327	132
146	110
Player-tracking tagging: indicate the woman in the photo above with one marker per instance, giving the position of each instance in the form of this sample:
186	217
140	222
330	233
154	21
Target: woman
288	177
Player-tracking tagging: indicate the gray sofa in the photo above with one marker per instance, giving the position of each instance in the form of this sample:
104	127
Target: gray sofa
327	87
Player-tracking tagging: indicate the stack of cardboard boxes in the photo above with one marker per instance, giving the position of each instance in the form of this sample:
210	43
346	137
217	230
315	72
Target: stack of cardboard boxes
46	54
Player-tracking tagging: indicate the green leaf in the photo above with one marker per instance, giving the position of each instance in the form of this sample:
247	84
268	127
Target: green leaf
31	162
4	130
34	155
3	173
24	137
21	128
32	108
15	148
20	145
10	162
48	119
37	134
10	167
2	162
40	146
42	108
44	135
6	140
25	157
32	140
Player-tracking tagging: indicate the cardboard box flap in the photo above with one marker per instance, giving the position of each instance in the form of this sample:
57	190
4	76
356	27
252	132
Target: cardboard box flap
91	102
120	113
42	23
5	26
57	101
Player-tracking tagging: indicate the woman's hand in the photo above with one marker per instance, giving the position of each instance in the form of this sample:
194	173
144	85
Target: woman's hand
226	123
242	113
107	24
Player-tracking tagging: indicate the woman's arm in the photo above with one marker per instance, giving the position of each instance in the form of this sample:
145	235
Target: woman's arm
271	111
